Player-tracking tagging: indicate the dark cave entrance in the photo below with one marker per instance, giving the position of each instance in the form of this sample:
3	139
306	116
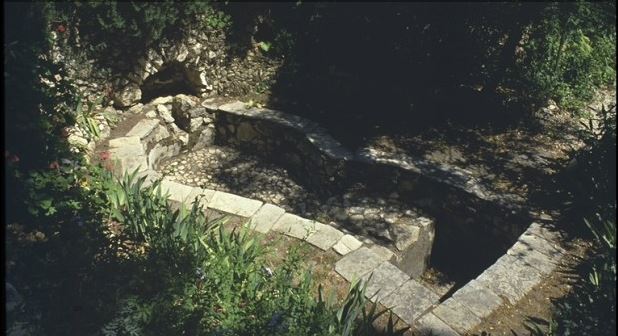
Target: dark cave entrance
172	79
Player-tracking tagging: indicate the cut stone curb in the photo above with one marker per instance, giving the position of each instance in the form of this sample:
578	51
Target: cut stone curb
456	315
410	301
510	278
383	252
325	237
430	325
265	218
234	204
205	195
541	262
384	280
124	141
129	158
143	128
177	192
294	226
357	263
479	300
541	245
347	244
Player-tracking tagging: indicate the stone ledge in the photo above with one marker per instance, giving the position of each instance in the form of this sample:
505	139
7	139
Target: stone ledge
410	301
294	226
357	263
265	218
234	204
458	317
325	237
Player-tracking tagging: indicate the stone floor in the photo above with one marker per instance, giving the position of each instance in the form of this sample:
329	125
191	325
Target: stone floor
228	169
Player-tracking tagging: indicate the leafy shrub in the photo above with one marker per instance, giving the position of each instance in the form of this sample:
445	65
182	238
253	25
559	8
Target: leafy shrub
113	30
591	308
198	277
571	52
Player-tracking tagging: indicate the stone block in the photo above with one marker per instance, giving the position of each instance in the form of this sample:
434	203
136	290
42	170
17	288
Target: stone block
265	218
325	236
347	244
456	316
383	252
430	325
543	263
234	204
415	245
534	242
357	263
143	128
203	195
383	280
479	300
295	226
177	192
509	278
128	158
410	301
124	141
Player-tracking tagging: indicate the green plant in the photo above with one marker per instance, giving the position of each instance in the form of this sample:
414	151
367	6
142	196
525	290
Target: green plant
85	119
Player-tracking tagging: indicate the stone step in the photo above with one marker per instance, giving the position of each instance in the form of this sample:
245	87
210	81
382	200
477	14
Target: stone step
411	301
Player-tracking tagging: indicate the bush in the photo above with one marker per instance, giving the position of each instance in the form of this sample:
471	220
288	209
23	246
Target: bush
112	31
571	52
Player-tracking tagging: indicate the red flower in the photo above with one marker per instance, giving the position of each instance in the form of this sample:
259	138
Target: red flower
61	29
104	155
54	165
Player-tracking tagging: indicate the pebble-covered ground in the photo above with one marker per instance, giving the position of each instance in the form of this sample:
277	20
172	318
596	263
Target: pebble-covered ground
230	170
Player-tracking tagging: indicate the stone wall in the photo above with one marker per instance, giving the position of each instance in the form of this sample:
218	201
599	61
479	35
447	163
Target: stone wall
205	55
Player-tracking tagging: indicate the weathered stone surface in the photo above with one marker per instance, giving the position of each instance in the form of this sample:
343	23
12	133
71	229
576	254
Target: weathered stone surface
347	244
405	235
541	245
543	263
479	300
325	236
410	301
234	204
177	192
265	218
544	231
205	139
510	278
151	176
415	246
456	315
384	280
124	141
143	128
203	195
76	140
127	96
183	103
382	251
430	325
159	153
162	100
294	226
357	263
246	132
164	113
128	157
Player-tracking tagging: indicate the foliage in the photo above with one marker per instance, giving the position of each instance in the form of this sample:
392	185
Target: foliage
113	30
86	121
591	308
571	52
210	280
40	96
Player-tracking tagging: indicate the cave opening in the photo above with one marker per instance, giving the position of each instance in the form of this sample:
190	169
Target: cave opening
172	79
